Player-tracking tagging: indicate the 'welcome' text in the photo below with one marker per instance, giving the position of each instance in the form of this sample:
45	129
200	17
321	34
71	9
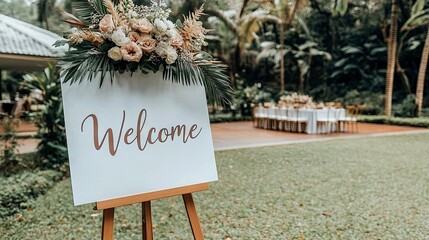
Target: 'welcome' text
137	135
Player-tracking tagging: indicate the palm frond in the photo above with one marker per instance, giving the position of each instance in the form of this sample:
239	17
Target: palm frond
83	10
298	7
182	72
211	75
99	7
252	23
216	82
79	64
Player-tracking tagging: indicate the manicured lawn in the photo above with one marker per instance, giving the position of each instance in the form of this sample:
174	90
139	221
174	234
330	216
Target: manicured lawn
369	188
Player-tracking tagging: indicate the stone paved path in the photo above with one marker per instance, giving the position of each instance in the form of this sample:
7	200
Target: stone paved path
243	135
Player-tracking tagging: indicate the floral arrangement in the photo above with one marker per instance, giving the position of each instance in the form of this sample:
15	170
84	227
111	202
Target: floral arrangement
296	99
118	36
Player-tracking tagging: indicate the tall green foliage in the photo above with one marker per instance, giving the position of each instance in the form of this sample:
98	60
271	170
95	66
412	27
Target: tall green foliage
52	149
419	18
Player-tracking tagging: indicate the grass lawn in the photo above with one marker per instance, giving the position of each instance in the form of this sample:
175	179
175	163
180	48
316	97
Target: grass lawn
367	188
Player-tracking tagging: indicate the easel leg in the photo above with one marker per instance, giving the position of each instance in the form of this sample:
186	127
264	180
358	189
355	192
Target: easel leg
193	217
108	220
147	221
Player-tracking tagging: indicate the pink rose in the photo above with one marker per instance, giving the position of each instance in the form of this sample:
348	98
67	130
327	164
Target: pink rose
131	52
106	24
147	43
134	36
143	25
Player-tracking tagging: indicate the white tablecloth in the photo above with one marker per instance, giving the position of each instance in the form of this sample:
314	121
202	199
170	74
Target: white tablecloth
313	114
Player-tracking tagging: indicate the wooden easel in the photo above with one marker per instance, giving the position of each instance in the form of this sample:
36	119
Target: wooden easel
108	208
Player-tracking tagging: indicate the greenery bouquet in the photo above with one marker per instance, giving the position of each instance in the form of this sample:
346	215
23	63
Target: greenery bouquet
118	36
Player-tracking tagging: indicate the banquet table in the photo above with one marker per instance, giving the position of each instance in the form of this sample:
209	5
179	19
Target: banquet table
313	114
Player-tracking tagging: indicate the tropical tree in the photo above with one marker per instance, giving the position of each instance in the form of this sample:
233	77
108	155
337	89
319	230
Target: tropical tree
391	57
19	9
419	17
44	7
243	23
286	11
422	75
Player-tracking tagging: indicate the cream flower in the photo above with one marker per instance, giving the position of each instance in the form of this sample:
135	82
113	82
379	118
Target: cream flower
119	38
147	43
115	53
176	42
170	24
171	56
176	39
160	25
134	36
106	24
161	49
131	52
164	50
143	25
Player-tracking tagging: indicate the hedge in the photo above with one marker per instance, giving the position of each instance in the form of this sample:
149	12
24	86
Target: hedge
222	117
15	191
412	122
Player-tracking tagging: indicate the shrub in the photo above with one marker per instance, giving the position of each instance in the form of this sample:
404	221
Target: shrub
407	108
374	102
19	188
246	96
425	112
9	160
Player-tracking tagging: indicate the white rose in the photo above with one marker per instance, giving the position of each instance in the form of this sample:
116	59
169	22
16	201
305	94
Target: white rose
171	56
172	33
115	53
169	24
160	25
161	49
119	38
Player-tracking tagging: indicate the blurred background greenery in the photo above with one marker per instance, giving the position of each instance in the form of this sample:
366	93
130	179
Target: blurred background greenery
333	50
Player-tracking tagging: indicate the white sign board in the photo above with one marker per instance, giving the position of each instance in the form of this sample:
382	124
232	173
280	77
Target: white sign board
136	135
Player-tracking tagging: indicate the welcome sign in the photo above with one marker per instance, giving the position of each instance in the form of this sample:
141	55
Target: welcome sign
136	135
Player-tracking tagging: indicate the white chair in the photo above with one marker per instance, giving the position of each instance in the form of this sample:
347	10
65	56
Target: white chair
297	120
272	118
326	118
282	119
260	116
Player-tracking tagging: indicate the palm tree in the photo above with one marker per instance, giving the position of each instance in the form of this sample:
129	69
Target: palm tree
248	21
286	13
419	17
422	75
44	8
391	57
244	25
